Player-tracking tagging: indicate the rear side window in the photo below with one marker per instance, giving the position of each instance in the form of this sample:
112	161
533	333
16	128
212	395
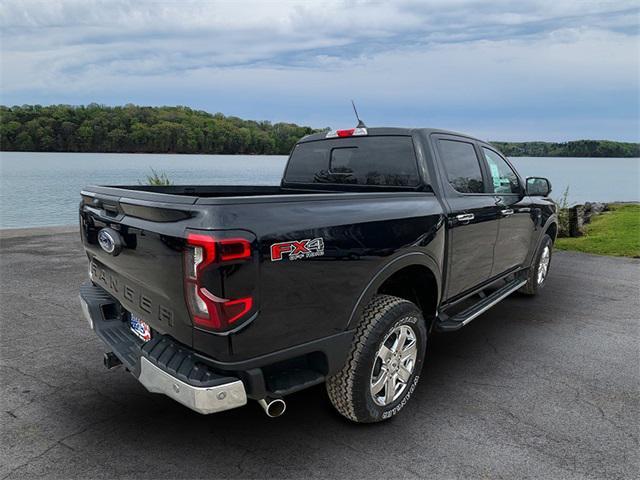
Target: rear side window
461	165
383	161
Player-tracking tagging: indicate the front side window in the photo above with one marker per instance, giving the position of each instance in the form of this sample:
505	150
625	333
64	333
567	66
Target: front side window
502	175
461	165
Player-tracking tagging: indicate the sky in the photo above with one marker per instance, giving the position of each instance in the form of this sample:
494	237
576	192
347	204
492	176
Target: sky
501	70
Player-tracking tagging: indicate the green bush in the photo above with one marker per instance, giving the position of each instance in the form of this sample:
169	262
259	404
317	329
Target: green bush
563	213
158	179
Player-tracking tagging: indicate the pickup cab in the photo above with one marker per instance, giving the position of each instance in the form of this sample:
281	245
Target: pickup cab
375	239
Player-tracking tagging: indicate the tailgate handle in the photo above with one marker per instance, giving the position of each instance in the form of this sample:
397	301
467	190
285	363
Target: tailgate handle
110	209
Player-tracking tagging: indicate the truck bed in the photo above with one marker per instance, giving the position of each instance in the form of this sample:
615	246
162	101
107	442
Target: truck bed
227	194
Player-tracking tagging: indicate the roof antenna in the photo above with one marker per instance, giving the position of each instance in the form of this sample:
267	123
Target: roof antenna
360	122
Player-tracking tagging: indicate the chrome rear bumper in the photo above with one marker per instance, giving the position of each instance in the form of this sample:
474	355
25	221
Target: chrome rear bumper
200	399
161	365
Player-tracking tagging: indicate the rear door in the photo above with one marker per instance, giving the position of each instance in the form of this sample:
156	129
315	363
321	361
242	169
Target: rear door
517	224
473	214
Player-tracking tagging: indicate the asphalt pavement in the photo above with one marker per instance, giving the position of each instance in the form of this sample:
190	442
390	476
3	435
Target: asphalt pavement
544	387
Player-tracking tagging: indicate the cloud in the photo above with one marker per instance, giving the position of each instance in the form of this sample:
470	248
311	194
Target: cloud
408	62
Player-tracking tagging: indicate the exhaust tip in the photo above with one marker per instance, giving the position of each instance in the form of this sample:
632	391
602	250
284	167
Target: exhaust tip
273	407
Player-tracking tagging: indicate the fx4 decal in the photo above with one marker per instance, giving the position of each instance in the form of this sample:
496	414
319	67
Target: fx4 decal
297	249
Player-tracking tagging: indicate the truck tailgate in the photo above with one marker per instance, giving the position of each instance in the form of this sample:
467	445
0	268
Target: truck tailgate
147	275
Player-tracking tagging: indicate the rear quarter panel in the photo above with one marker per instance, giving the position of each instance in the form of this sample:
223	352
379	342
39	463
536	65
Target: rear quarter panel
307	299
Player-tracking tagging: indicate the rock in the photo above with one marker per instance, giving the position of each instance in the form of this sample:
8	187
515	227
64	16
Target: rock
576	221
579	215
591	209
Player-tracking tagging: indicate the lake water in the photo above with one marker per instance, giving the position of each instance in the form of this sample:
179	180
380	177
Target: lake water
40	189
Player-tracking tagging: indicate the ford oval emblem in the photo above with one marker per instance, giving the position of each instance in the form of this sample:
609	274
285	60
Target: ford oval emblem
110	241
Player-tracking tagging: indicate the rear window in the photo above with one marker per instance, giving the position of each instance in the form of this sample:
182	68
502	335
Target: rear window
385	161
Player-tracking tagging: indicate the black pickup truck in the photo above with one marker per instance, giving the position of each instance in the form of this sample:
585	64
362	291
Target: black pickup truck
375	239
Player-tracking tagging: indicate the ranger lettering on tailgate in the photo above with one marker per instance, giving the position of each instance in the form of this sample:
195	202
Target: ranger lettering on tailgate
130	294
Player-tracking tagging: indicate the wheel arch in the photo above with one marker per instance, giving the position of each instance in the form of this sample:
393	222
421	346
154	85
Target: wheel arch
550	224
552	230
397	277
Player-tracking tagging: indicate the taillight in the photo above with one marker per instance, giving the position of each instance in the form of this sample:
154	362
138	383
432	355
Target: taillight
200	253
208	310
234	249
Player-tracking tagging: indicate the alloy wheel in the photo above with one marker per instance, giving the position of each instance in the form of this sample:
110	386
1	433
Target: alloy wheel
394	365
543	267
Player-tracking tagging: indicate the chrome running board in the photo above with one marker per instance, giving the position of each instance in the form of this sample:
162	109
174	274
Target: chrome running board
449	324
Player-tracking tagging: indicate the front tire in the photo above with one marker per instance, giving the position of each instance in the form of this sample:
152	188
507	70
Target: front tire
540	270
384	363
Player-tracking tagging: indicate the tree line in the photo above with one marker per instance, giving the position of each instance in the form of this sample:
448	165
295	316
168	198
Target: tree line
136	129
578	148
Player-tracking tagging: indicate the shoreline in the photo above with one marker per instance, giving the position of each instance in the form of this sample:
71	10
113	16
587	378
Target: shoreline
272	154
7	233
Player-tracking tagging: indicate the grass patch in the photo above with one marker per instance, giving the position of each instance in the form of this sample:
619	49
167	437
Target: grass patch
616	232
157	178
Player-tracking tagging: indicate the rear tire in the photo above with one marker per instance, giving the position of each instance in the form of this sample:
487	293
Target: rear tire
384	363
538	273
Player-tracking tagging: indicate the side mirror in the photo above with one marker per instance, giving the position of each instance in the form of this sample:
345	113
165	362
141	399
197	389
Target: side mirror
538	187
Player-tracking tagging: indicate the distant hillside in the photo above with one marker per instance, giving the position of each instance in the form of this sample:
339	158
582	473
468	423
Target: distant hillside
135	129
578	148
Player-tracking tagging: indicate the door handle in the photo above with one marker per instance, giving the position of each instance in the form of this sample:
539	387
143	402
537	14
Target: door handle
465	217
507	212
